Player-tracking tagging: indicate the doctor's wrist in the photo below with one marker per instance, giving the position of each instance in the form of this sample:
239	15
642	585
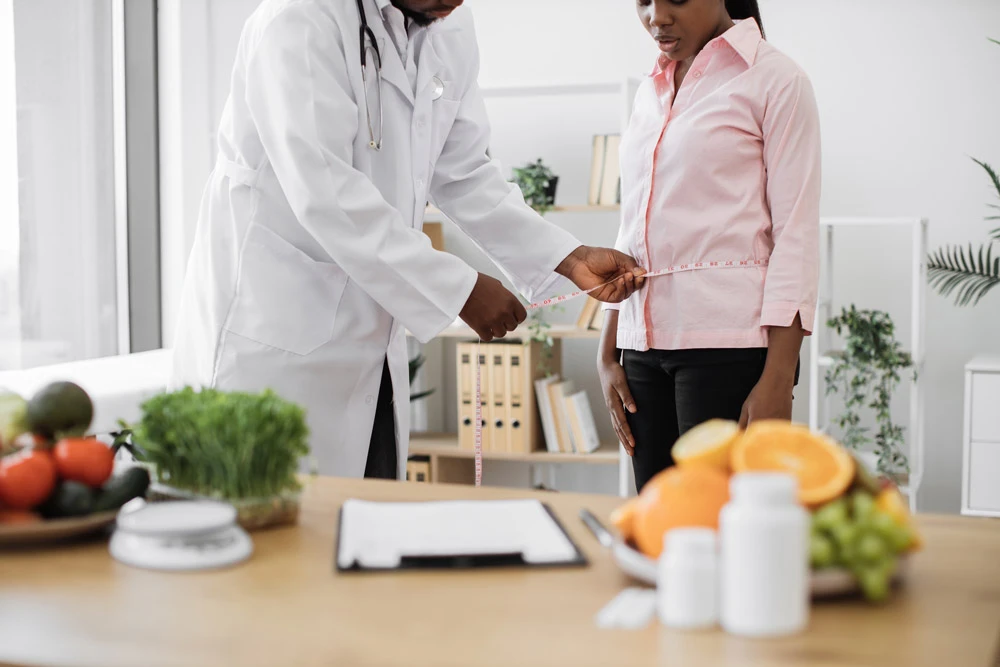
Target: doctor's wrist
573	260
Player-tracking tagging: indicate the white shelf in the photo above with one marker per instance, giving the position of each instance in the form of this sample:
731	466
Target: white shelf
818	397
579	208
548	89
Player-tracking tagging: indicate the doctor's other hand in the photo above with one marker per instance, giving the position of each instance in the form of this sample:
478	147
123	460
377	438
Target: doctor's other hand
617	274
491	310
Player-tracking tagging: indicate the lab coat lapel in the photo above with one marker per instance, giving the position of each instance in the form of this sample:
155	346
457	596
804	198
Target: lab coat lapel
393	70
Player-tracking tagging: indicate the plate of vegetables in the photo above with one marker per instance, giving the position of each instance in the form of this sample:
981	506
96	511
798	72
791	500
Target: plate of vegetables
55	481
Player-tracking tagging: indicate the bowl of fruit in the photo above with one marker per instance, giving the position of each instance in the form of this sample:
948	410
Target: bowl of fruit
862	534
55	481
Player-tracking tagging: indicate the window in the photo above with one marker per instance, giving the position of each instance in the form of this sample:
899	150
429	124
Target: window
68	264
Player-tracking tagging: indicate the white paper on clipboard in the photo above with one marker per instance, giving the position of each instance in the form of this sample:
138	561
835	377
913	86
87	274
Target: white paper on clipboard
386	535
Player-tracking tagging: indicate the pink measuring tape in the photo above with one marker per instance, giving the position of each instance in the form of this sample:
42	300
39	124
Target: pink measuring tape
680	268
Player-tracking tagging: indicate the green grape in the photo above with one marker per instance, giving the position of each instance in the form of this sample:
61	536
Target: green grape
821	551
874	582
900	538
871	548
830	515
883	524
862	504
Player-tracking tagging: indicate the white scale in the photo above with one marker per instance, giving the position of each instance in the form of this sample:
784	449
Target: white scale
179	536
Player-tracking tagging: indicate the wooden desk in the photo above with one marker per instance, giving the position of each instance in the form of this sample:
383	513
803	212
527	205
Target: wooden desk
287	606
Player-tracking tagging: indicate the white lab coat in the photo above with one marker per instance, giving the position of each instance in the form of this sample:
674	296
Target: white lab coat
309	263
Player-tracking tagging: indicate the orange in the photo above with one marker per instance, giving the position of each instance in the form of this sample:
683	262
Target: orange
890	501
707	444
675	498
823	468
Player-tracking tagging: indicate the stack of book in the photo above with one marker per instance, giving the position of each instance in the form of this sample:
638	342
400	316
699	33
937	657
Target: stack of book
567	418
605	171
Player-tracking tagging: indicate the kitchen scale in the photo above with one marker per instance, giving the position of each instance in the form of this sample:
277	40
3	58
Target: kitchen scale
183	535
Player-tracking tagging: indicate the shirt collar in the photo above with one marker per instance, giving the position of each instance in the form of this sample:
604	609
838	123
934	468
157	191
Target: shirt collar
744	37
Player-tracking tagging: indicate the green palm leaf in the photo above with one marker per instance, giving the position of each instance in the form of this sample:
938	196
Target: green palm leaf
993	40
966	274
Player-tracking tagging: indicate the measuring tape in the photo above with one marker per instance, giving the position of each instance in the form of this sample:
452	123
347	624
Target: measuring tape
680	268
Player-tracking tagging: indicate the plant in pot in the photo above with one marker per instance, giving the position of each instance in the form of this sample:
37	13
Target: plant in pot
415	364
865	374
970	274
538	185
237	447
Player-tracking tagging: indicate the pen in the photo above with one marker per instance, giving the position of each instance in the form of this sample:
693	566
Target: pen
595	526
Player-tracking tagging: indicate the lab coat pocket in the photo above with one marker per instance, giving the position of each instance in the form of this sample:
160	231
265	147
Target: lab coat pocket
284	298
443	118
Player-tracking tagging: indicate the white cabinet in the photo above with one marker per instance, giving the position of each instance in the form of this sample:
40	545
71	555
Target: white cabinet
981	446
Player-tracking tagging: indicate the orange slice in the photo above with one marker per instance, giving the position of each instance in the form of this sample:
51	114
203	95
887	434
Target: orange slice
823	468
708	444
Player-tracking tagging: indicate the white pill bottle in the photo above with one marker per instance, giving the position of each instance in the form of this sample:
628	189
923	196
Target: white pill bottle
764	557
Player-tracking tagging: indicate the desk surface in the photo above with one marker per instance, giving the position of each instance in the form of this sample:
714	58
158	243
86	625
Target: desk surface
75	606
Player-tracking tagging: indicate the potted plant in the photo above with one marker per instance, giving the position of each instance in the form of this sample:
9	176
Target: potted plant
537	184
969	274
237	447
415	364
538	330
866	373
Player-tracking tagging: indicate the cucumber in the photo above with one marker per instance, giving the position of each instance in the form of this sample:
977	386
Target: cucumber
122	488
69	499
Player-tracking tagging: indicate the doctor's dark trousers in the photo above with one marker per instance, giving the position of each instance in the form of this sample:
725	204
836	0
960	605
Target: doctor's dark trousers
382	461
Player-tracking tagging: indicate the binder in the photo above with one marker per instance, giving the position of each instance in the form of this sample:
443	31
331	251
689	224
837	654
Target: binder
516	398
435	232
498	396
484	397
418	469
466	395
386	536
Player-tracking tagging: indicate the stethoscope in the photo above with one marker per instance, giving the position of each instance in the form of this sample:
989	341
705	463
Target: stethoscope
368	43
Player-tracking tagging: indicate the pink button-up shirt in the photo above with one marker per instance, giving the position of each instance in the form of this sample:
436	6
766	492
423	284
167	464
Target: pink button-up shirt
725	170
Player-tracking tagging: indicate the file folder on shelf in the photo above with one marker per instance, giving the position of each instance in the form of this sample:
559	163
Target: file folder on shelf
466	395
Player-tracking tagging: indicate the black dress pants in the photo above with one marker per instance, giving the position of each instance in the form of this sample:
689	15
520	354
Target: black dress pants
675	390
382	458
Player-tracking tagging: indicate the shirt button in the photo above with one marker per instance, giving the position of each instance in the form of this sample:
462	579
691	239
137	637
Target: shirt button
421	123
369	399
697	74
420	183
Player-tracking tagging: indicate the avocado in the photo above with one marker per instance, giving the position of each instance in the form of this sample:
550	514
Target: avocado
122	488
60	409
68	499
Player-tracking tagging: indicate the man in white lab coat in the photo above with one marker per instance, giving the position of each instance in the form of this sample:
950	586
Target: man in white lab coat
309	264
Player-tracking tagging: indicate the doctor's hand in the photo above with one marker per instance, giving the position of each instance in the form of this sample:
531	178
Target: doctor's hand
617	273
491	310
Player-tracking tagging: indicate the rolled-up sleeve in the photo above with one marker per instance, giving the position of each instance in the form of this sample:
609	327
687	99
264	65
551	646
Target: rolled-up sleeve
792	158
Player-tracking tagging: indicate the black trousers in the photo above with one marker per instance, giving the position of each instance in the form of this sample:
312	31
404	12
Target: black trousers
382	458
675	390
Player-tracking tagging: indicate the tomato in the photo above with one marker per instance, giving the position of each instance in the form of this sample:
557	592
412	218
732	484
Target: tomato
26	479
84	460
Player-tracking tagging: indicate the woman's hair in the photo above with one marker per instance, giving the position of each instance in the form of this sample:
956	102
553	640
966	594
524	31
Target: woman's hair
745	9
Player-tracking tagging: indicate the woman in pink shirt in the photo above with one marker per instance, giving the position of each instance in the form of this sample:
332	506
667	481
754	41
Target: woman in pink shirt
720	179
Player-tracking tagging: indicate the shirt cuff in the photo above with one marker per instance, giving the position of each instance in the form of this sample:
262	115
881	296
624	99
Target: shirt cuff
782	314
553	282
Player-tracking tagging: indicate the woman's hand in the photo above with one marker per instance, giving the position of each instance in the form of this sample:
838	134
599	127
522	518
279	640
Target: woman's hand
771	398
618	398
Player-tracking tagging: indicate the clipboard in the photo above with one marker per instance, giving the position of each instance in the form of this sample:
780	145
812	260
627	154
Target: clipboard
459	535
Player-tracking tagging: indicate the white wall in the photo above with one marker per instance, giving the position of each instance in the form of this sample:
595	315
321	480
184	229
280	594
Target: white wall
907	93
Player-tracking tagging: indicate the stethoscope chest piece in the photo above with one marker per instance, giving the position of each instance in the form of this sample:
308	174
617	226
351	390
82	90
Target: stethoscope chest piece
438	89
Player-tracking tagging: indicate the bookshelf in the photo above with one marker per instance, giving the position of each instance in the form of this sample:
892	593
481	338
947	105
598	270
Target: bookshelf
449	462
